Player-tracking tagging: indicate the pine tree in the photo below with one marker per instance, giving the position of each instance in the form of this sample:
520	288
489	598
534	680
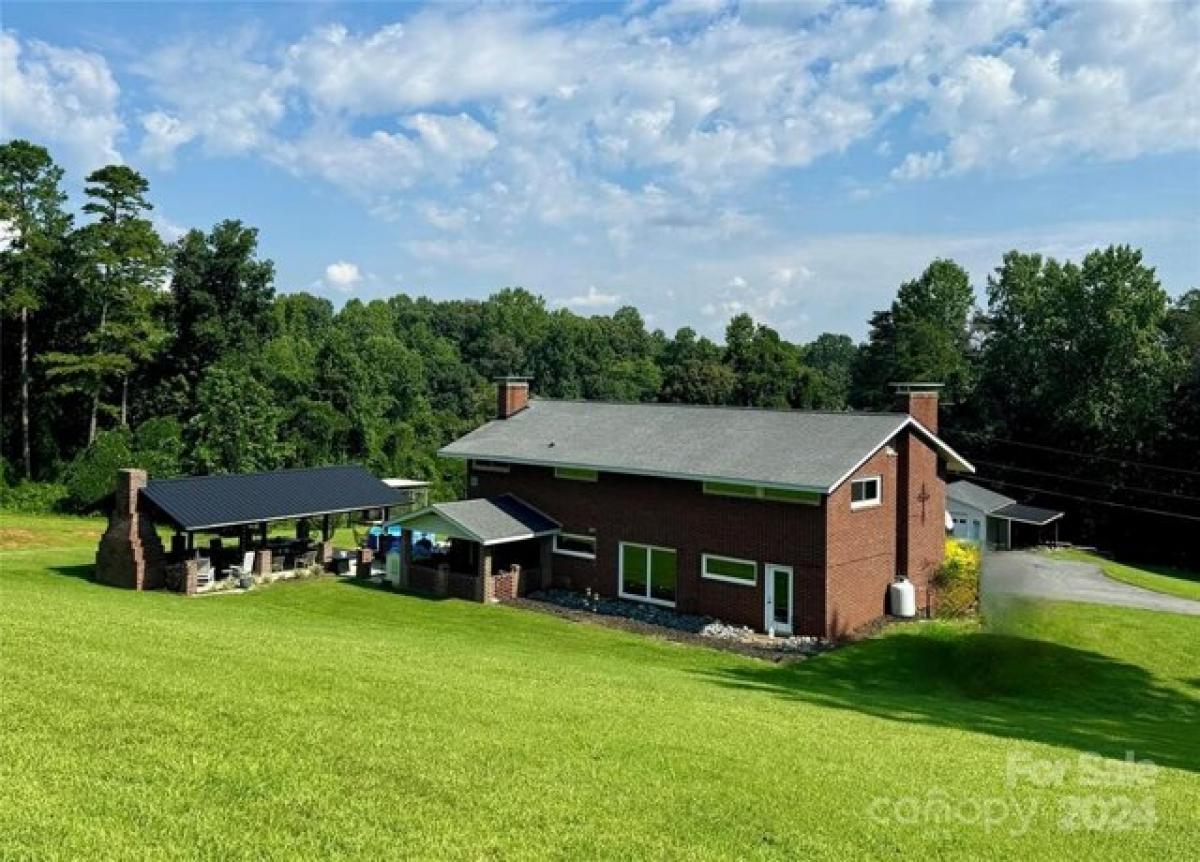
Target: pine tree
35	224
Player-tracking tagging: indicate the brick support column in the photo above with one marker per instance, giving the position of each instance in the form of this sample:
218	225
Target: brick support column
486	591
362	568
406	560
191	572
546	561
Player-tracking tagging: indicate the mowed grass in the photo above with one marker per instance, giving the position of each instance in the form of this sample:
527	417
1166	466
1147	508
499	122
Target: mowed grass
1160	579
322	719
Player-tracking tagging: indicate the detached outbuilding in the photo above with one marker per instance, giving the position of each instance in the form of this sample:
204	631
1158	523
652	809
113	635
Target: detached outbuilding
999	523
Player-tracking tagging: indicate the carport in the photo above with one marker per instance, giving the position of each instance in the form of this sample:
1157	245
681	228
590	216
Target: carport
980	515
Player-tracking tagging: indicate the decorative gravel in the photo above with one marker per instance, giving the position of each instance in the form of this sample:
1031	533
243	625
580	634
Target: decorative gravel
698	628
640	611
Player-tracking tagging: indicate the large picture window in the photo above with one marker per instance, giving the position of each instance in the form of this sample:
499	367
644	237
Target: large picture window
648	574
866	492
729	569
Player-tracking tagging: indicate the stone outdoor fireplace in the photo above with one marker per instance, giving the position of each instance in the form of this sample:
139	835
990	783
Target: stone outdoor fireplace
130	553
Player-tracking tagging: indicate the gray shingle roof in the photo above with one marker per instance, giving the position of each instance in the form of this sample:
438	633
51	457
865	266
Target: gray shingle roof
788	448
977	497
196	502
489	520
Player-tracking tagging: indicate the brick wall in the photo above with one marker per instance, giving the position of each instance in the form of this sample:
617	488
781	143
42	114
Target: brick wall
861	548
905	535
677	514
922	515
843	559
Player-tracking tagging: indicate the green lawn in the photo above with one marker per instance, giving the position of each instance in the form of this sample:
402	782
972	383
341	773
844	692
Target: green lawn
1160	579
323	719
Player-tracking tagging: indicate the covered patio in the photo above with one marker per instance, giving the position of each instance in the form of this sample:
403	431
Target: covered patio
482	550
248	527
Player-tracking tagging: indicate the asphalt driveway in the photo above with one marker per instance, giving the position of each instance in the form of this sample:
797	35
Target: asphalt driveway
1027	573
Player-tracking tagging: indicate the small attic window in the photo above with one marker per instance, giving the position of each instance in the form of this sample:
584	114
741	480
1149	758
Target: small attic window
867	492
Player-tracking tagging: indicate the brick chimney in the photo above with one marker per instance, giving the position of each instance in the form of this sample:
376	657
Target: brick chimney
130	553
512	396
920	401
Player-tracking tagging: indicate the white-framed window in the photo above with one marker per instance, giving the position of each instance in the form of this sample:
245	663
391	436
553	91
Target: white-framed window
490	466
866	492
730	569
578	474
648	573
575	545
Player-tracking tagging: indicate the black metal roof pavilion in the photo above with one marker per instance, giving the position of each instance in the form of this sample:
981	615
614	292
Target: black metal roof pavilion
230	500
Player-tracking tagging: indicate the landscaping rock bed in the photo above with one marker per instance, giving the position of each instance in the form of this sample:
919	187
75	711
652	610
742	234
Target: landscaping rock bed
665	623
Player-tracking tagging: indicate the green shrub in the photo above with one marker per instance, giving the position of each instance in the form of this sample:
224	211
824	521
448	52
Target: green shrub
33	498
89	478
156	446
957	580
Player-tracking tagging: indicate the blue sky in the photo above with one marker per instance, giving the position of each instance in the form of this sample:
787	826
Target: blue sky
695	159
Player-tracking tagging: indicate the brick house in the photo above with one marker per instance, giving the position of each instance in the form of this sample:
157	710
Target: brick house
791	521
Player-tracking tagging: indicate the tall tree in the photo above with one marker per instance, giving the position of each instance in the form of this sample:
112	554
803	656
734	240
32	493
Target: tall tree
236	425
693	372
123	265
831	358
1079	353
222	297
33	218
1182	431
767	369
924	335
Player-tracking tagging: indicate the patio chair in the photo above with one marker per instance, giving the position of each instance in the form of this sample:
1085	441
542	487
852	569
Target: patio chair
204	573
245	568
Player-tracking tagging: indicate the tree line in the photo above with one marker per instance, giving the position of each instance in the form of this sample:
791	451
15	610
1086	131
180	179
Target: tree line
1071	383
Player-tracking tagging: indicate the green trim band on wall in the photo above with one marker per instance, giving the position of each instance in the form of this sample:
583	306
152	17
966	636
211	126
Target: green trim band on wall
759	492
576	473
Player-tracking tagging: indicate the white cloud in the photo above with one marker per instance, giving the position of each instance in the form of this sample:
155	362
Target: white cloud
443	218
59	96
1100	81
656	144
919	166
164	134
592	299
167	229
342	275
458	138
708	97
220	90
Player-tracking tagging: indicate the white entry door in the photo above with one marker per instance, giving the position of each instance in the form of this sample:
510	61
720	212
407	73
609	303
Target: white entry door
777	617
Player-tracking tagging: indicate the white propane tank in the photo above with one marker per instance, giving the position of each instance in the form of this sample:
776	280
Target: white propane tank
902	597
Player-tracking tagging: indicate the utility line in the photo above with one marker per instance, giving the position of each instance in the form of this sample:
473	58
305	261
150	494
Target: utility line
1045	448
1095	482
1092	500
